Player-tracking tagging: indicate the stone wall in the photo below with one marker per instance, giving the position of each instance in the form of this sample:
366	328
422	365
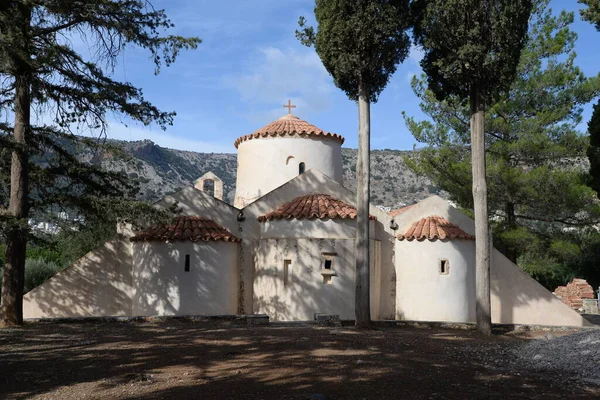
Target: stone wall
574	293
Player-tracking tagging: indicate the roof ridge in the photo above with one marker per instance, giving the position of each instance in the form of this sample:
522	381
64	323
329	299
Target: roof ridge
186	228
289	125
432	228
312	206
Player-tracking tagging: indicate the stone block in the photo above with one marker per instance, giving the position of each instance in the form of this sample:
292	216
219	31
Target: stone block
590	306
328	319
257	319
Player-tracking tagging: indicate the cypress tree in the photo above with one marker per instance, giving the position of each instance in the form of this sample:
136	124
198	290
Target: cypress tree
360	43
472	48
41	70
533	144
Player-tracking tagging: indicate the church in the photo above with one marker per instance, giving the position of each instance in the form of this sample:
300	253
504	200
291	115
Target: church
286	248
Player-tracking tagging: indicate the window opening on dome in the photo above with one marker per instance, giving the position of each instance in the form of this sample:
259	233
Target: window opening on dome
444	267
301	168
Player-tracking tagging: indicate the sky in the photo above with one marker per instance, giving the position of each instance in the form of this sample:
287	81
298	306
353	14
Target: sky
250	64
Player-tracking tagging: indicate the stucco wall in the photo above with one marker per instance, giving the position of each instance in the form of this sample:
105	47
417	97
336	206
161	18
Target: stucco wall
422	293
267	163
519	299
98	284
305	294
163	287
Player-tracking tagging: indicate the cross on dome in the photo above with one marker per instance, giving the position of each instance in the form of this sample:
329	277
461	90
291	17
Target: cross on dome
289	106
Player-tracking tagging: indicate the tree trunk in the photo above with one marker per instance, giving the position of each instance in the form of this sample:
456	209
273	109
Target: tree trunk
482	245
362	300
11	307
511	223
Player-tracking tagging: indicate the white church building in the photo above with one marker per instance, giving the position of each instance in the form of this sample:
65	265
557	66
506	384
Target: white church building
286	248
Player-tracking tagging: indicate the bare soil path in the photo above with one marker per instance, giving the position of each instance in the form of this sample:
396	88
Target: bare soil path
217	360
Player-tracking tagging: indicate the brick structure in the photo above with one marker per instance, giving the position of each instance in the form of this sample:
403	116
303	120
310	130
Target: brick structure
574	293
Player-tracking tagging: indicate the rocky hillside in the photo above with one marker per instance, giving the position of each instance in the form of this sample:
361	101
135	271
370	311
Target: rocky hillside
162	171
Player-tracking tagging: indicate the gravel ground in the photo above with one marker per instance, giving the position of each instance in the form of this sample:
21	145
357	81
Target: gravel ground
578	354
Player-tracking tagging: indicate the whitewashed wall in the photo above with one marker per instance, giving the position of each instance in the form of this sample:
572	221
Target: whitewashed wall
98	284
305	294
163	287
422	293
265	164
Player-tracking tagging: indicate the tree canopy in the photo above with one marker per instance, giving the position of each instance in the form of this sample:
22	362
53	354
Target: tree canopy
593	151
359	41
592	12
470	43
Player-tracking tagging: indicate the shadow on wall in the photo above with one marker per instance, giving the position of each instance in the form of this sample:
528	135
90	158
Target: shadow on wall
185	278
98	284
306	292
516	297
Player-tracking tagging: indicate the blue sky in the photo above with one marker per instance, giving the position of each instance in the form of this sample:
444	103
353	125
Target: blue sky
250	64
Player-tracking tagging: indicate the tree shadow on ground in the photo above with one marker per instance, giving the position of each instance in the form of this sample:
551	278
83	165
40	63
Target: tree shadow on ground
214	360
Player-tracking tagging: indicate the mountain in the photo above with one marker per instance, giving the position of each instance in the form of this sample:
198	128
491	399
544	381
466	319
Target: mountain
162	171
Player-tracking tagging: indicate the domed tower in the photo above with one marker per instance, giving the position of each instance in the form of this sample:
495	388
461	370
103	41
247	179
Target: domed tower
280	151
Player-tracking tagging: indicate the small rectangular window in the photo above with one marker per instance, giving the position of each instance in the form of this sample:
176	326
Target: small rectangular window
286	271
187	263
444	267
328	264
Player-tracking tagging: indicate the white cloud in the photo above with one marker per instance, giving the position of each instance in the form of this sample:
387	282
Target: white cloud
119	131
276	75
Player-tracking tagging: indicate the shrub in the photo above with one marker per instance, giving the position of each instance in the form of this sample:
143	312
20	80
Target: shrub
37	271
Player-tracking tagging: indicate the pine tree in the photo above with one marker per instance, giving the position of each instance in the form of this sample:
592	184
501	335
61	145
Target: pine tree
592	12
472	48
40	70
360	43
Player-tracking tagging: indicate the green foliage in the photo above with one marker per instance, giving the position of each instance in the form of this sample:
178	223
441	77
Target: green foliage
593	151
75	91
359	41
37	271
470	44
592	12
537	183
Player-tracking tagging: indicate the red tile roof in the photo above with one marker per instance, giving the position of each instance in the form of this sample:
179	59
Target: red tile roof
321	206
289	125
187	228
395	213
433	228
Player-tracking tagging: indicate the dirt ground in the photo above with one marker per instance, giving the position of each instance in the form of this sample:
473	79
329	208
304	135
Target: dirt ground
218	360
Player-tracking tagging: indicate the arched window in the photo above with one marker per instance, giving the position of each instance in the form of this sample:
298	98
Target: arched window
301	168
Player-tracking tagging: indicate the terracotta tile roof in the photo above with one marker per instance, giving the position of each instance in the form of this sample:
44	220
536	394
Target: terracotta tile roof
395	213
433	228
320	206
187	228
289	125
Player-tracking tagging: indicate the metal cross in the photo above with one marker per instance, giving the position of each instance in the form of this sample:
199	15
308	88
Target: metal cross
289	106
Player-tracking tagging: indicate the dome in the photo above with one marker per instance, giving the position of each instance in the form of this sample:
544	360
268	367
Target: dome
290	125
